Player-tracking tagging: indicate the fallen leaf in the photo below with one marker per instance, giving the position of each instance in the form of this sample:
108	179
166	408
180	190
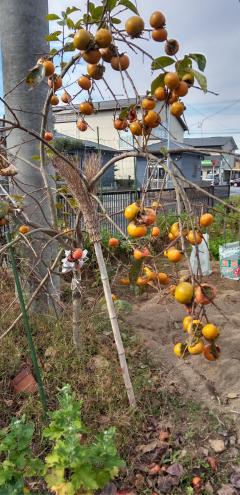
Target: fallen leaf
148	447
232	395
175	470
165	484
208	488
139	481
226	490
109	489
50	352
235	480
213	463
217	445
164	436
154	469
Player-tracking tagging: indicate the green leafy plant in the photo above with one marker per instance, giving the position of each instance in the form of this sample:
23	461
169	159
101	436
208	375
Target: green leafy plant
76	465
18	461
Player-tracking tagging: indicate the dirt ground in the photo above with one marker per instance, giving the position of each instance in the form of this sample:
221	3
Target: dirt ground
159	324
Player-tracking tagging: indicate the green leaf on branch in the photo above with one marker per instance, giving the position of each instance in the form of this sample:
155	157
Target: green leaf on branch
129	5
183	66
159	81
201	79
53	52
135	271
70	10
52	17
161	62
53	36
70	23
115	20
69	47
97	14
200	59
111	4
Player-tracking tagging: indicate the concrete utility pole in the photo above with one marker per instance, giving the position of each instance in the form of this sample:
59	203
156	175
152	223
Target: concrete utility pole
22	30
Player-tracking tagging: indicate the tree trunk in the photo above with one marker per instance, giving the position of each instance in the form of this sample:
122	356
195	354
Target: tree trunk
22	30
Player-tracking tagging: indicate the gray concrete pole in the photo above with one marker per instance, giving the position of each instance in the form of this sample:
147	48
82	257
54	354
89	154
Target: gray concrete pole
22	30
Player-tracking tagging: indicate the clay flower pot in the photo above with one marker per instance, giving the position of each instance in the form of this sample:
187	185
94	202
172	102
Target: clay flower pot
24	381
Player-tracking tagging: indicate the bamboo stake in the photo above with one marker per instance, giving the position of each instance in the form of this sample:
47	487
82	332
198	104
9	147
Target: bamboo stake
114	323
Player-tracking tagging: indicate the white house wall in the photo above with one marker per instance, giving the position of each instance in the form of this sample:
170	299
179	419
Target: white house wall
103	121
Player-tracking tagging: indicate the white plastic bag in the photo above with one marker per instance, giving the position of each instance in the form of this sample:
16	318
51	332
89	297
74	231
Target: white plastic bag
203	257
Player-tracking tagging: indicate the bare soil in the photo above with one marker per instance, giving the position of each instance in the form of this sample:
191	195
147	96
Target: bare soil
159	324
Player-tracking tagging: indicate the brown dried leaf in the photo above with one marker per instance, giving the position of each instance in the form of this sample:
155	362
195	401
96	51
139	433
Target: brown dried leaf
109	489
175	470
148	447
235	480
164	436
213	463
165	484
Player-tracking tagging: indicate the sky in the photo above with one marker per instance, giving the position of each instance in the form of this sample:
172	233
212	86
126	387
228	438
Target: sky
210	27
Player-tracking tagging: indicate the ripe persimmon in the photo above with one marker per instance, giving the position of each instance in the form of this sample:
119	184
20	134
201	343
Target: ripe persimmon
160	93
54	100
171	47
186	321
177	109
152	119
120	124
120	62
66	97
142	281
163	278
179	349
136	128
155	232
157	20
24	229
108	53
148	103
206	219
95	71
134	26
92	56
82	39
197	348
184	293
124	281
103	38
82	125
84	83
210	331
131	211
55	82
194	239
171	80
48	65
86	108
149	216
174	255
172	97
135	230
159	35
182	89
48	136
77	253
211	352
113	242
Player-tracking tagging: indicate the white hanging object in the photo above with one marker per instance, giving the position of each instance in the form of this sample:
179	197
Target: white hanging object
204	257
69	266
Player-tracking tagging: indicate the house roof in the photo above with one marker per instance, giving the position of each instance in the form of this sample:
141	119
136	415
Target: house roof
85	143
64	114
174	145
211	142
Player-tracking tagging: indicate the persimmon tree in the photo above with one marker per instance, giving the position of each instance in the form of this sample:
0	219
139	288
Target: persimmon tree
112	32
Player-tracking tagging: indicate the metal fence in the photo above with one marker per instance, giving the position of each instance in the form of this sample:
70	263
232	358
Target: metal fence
114	202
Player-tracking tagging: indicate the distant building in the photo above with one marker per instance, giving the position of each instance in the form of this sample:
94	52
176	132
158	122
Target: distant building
213	164
79	148
189	165
101	129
